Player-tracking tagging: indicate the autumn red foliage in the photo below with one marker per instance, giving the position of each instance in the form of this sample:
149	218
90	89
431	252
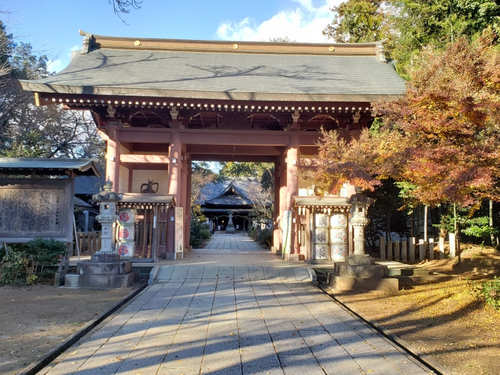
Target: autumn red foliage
443	136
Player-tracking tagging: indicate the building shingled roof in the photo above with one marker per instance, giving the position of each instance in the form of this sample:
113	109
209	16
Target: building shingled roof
246	191
48	166
230	75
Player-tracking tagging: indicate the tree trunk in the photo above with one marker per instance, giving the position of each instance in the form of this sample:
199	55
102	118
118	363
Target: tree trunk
490	215
388	227
455	218
456	227
412	228
426	217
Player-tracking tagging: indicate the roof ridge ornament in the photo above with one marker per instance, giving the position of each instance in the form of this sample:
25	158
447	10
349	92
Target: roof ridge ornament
380	52
88	42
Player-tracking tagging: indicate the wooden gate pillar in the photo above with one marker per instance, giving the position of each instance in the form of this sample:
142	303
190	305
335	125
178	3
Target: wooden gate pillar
292	189
175	170
276	207
187	200
113	156
282	201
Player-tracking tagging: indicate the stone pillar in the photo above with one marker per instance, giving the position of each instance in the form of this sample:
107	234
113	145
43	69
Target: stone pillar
397	254
421	249
382	248
441	247
431	248
453	244
404	250
411	249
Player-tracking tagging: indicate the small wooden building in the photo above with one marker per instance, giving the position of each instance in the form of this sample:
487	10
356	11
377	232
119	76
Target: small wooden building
236	198
36	197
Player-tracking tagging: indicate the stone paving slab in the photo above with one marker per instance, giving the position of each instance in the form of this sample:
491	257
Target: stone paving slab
207	317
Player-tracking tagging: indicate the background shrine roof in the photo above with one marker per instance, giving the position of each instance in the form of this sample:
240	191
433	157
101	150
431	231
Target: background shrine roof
225	71
247	191
48	166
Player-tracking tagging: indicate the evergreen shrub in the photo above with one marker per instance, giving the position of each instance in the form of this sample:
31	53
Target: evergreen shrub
27	263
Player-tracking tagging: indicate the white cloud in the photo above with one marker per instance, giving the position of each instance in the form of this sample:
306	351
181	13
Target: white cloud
304	23
56	65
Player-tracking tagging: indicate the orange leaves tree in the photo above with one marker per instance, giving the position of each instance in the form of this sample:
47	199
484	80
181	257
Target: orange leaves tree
442	137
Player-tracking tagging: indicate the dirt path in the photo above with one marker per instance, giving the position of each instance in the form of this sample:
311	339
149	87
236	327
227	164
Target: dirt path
36	319
441	319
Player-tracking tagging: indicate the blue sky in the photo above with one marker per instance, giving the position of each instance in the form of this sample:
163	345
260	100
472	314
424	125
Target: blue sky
51	26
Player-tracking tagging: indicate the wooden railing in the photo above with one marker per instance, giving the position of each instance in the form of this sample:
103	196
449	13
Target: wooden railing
89	242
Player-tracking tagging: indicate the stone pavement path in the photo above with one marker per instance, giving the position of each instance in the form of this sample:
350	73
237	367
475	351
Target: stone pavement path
235	242
240	318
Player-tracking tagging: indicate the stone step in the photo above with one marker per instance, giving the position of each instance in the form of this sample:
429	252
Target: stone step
106	281
114	268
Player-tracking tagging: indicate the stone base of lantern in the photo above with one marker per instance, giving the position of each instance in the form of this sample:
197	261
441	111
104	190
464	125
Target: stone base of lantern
105	271
359	272
342	284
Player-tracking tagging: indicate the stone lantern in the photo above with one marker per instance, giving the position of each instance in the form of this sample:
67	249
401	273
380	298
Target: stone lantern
230	225
107	217
359	220
105	268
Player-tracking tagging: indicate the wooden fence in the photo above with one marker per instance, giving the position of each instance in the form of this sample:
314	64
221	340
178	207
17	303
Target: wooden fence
411	251
89	242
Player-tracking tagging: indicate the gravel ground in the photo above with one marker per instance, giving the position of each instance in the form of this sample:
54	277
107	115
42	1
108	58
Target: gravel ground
36	319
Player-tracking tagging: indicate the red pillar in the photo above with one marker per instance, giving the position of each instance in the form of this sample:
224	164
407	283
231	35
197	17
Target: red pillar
113	157
292	188
276	213
175	170
292	182
188	202
282	199
186	165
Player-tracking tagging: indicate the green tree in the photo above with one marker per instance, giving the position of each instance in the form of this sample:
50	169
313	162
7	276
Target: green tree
440	142
201	174
406	26
358	21
437	22
30	131
263	171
